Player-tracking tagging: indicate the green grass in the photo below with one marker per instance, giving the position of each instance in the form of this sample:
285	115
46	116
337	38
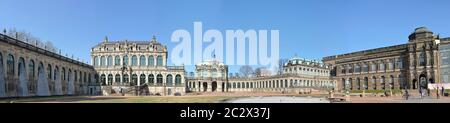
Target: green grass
144	99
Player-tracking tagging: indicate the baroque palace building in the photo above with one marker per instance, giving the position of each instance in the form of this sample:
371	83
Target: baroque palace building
28	70
416	64
123	65
299	75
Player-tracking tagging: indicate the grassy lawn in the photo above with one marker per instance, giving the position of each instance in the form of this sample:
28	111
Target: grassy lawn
100	99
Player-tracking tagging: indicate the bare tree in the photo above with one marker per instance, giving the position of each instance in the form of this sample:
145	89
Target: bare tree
246	71
281	63
258	71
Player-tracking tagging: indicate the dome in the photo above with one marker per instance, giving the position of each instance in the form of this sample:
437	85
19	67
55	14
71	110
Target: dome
420	33
421	30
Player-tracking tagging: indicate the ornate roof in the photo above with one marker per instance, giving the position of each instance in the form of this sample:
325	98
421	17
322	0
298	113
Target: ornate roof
152	45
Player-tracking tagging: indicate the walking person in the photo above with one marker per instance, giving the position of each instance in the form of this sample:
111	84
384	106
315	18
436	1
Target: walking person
406	95
442	90
437	93
420	92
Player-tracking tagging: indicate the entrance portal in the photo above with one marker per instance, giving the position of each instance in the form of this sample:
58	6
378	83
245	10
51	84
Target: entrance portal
214	86
205	86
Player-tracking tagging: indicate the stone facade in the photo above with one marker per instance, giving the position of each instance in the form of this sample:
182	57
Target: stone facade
299	75
406	66
128	64
28	70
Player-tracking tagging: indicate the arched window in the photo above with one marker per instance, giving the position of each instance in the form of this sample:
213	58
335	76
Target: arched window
134	60
422	59
103	79
10	65
151	61
159	61
1	61
64	73
110	79
142	79
159	79
178	79
391	82
30	69
383	82
125	60
169	80
21	69
49	71
117	61
68	75
102	61
133	79
126	78
117	77
151	79
55	72
142	61
110	61
95	61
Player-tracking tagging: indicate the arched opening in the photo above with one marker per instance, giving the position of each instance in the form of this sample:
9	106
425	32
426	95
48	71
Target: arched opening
103	79
374	83
133	80
358	84
159	80
23	83
159	61
125	79
205	86
102	61
344	85
151	79
366	83
178	80
151	61
223	86
125	60
142	61
169	80
383	83
423	83
31	77
134	60
117	78
110	79
117	61
414	84
214	86
391	82
10	66
110	61
142	79
350	81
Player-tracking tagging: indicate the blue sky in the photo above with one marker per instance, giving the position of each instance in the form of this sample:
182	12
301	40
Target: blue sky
310	28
